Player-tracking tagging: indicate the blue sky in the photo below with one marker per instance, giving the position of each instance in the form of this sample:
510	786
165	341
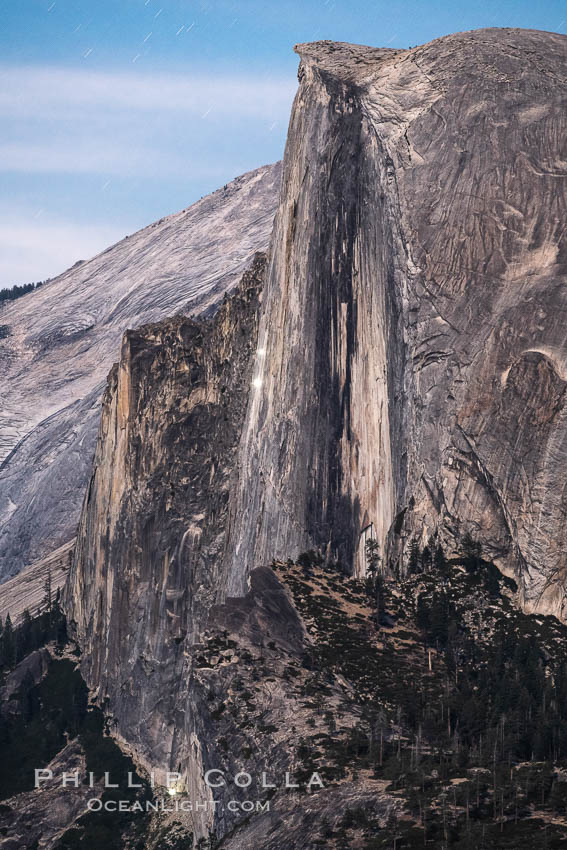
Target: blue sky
114	113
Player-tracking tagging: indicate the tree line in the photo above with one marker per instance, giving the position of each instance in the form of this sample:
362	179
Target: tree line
49	624
13	292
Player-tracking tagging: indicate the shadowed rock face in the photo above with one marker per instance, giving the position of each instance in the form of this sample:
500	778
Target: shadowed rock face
413	328
405	367
62	340
149	556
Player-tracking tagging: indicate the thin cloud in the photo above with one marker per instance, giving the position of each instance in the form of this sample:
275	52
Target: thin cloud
127	124
47	91
29	246
116	157
133	128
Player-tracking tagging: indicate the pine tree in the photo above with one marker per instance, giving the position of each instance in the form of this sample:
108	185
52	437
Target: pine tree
422	615
439	616
472	553
25	644
47	592
373	561
8	644
414	563
372	557
439	560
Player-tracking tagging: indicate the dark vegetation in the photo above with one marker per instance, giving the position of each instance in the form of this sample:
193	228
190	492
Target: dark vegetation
109	829
456	704
13	292
33	632
46	715
33	735
461	700
48	710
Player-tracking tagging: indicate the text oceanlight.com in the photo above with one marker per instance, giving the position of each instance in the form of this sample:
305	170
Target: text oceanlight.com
175	800
176	805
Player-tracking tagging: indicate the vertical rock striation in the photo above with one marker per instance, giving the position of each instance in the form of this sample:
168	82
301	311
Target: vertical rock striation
148	561
412	351
317	452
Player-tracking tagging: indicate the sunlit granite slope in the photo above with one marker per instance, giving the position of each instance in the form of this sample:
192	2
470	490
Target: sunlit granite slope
60	341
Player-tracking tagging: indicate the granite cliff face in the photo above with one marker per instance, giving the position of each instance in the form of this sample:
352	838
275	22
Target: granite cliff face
59	343
413	327
149	555
402	375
